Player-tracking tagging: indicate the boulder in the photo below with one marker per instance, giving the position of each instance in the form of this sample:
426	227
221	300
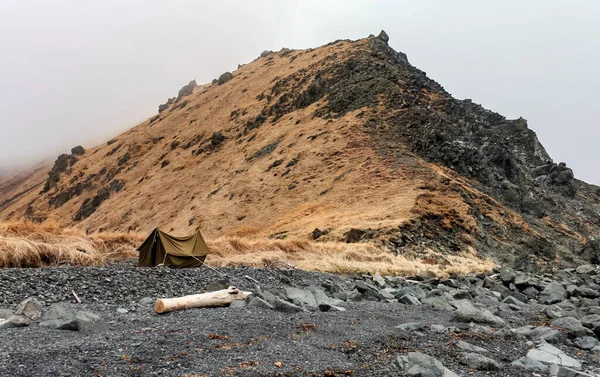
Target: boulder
287	307
265	53
186	90
573	326
259	303
553	293
437	302
77	151
62	317
302	298
541	333
409	299
479	362
469	347
416	364
379	280
531	365
384	37
548	354
555	311
586	342
467	312
30	308
416	291
586	269
224	78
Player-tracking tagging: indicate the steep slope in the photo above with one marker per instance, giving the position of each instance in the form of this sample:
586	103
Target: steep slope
348	138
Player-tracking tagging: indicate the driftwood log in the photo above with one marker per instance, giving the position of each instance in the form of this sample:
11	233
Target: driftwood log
223	297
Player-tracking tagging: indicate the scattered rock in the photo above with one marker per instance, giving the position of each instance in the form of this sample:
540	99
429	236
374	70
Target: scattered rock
469	347
258	302
549	354
77	151
553	293
467	312
479	362
418	364
62	317
30	308
146	301
224	78
186	90
567	372
302	298
409	299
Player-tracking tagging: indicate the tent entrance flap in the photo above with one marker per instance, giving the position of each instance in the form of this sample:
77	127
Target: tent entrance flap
182	252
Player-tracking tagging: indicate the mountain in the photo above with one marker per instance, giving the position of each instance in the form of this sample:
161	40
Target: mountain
347	142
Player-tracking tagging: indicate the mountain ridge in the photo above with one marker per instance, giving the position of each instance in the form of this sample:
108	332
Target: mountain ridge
348	138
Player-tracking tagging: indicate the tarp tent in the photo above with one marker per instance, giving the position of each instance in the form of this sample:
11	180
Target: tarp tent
182	252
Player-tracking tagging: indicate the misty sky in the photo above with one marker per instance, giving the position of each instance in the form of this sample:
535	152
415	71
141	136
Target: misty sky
79	72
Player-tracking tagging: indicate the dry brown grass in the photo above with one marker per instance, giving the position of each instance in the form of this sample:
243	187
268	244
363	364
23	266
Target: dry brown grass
24	244
338	257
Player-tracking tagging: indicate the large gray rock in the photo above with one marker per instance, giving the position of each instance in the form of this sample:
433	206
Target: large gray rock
30	308
553	293
416	364
14	321
586	342
302	298
531	365
540	333
469	347
586	269
479	362
418	292
322	299
409	299
379	280
549	354
62	317
467	312
437	302
573	326
287	307
555	311
591	320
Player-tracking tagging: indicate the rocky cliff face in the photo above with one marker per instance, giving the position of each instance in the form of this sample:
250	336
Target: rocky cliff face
349	138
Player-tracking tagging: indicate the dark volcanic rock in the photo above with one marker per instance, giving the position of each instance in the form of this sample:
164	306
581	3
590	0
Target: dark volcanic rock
78	150
224	78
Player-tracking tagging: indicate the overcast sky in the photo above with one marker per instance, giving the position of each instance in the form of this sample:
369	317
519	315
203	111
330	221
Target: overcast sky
79	72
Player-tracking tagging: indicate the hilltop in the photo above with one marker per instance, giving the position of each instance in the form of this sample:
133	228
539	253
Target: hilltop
344	143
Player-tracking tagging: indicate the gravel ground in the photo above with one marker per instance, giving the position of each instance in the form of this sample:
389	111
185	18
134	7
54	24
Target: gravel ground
361	341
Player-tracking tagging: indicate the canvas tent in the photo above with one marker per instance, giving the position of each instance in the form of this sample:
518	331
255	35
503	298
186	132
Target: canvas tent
181	252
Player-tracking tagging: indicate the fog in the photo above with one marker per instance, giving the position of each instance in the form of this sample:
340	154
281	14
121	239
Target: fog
79	72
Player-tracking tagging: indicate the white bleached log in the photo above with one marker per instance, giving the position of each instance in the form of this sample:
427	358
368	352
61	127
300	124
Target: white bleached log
223	297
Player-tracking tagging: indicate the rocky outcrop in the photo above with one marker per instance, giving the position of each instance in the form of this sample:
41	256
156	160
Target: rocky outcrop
166	105
62	163
78	151
224	78
186	90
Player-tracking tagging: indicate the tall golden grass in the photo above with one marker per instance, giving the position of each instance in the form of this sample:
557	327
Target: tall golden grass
24	244
338	257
